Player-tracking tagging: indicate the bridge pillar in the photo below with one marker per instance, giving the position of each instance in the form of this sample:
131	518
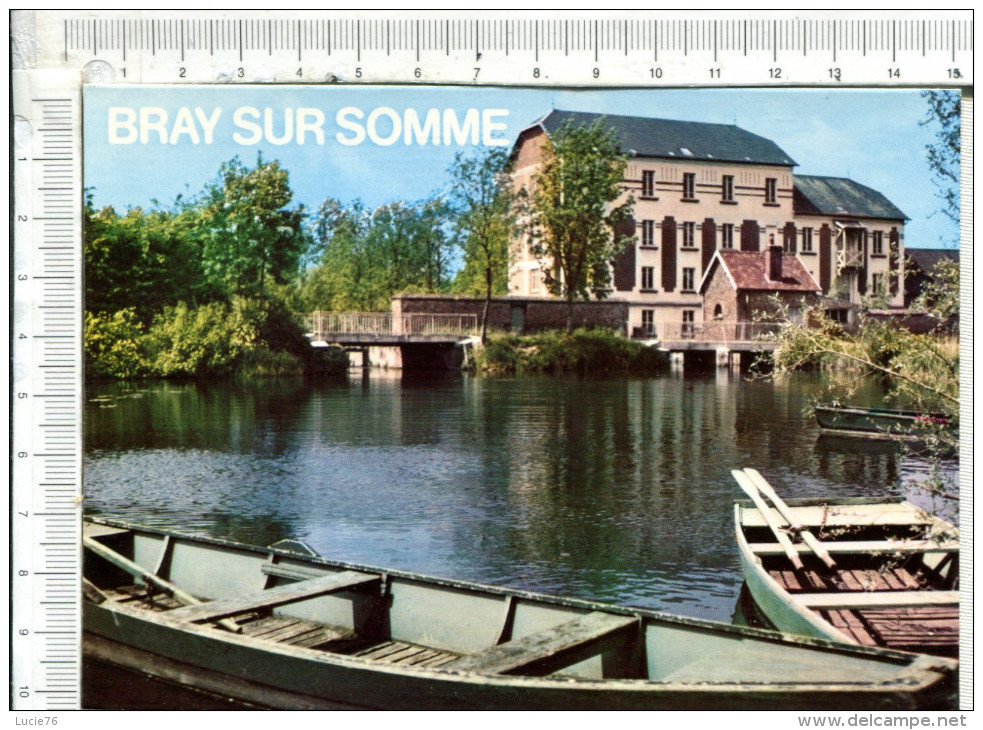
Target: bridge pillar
724	357
735	360
676	360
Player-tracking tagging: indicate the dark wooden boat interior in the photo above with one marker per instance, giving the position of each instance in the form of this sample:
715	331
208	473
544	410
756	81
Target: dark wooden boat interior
932	629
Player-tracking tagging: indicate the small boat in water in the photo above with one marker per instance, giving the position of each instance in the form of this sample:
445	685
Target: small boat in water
881	422
874	573
281	627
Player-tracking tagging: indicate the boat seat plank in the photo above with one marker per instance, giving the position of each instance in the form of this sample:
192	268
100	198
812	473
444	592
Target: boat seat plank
139	596
293	572
548	650
94	529
850	581
261	625
849	623
273	597
292	629
877	599
817	580
893	581
912	628
400	652
907	578
862	546
323	635
786	579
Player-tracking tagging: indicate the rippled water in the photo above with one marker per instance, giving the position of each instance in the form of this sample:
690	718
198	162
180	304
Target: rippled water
617	490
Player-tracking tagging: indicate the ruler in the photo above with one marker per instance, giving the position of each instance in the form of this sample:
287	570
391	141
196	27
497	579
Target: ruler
602	49
55	52
46	398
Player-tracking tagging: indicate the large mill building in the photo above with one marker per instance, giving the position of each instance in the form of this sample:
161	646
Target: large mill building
702	188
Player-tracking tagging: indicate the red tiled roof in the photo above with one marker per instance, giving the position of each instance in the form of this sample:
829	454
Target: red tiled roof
748	271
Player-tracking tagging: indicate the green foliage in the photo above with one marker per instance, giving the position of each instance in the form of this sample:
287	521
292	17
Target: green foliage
142	261
261	361
114	345
483	208
940	294
573	222
201	289
921	369
249	236
943	154
584	351
365	257
206	341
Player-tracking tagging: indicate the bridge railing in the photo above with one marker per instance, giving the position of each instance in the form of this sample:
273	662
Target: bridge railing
324	324
708	331
319	324
438	324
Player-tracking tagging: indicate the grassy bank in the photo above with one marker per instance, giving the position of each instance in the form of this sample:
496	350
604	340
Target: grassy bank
583	351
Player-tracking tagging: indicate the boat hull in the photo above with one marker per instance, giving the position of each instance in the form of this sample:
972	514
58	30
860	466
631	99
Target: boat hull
781	608
684	664
879	423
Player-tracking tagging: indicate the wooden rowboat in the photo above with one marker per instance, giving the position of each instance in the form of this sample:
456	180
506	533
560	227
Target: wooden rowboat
894	583
881	422
275	627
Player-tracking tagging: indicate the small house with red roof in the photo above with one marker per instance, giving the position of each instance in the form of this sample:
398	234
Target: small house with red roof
741	287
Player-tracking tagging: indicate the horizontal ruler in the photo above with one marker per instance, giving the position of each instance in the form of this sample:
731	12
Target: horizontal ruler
517	48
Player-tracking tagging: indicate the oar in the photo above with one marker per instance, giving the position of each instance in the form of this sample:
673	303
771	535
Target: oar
783	509
133	569
752	491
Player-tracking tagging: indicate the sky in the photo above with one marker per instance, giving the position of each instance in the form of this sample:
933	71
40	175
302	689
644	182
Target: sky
146	143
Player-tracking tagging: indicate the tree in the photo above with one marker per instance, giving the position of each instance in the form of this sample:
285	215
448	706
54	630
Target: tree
482	200
572	221
365	257
940	294
249	234
143	260
943	154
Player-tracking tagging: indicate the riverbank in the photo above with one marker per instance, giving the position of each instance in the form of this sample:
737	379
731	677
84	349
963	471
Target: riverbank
244	338
584	351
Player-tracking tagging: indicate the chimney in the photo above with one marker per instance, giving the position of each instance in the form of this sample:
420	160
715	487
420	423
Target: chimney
774	263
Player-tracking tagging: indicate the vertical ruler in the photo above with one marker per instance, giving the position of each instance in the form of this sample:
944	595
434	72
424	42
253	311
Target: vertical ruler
46	399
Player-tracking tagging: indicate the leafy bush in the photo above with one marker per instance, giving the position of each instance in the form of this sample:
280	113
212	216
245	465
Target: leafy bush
114	345
203	342
262	361
583	351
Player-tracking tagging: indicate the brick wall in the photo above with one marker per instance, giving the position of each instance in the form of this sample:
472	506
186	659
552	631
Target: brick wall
538	313
719	291
746	306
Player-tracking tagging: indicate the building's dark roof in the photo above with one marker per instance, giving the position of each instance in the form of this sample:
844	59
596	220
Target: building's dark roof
840	196
927	258
673	139
747	271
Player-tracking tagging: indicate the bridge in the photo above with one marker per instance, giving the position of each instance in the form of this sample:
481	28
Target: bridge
364	329
425	341
424	337
713	335
728	341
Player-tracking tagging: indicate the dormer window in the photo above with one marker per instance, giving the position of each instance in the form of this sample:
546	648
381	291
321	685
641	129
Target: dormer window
686	151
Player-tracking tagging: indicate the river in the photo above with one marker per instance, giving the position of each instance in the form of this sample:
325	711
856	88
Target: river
614	489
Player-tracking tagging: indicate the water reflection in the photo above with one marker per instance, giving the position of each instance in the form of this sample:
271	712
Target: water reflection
616	490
